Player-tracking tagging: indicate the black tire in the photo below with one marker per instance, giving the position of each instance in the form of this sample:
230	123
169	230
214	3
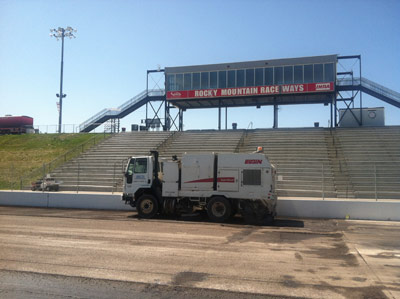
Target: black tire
256	215
147	206
219	209
234	211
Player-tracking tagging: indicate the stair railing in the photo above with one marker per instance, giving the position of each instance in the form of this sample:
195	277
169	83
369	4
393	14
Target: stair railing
46	168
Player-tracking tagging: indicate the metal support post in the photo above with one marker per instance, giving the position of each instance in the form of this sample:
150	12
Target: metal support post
77	181
376	192
275	126
323	182
361	118
167	120
226	118
335	111
12	177
333	100
113	184
180	120
219	115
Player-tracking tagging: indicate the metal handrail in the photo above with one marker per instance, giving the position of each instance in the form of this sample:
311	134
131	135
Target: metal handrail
379	88
121	108
141	96
41	171
370	85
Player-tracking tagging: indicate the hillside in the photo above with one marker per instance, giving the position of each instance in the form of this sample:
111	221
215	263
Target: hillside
19	154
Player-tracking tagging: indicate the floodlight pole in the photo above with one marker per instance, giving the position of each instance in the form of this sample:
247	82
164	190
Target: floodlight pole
61	80
61	33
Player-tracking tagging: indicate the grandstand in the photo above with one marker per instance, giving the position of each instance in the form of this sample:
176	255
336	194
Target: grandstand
311	162
301	158
100	169
371	155
343	162
202	142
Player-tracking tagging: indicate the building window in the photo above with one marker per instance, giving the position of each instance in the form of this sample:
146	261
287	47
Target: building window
318	72
278	75
269	76
171	82
239	78
298	74
222	79
250	77
231	78
288	74
308	73
252	177
213	79
259	77
328	72
196	81
204	80
187	81
179	82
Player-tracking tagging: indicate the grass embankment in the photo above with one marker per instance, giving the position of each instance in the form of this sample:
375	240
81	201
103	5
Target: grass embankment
20	154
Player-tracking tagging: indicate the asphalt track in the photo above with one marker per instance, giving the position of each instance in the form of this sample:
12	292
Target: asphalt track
54	253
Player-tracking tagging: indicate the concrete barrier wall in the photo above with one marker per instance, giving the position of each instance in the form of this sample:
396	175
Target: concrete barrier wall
71	200
16	198
301	208
340	209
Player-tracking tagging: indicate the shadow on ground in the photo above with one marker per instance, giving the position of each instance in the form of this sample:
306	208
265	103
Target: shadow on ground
202	217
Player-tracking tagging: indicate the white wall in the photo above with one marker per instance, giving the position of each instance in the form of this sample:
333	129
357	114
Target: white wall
301	208
64	200
341	209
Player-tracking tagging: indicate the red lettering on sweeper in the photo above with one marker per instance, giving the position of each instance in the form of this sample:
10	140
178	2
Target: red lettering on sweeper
253	162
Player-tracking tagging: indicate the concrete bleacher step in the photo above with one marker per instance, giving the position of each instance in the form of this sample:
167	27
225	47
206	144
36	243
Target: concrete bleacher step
347	157
101	168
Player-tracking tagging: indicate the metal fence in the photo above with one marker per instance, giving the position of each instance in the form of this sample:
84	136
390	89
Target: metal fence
372	181
65	128
114	184
46	168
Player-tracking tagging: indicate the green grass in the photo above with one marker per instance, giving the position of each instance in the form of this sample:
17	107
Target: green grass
20	154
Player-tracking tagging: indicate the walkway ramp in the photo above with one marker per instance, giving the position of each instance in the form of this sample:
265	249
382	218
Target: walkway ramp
128	107
369	87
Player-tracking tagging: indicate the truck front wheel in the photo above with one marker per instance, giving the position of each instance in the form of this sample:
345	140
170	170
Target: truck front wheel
147	206
219	209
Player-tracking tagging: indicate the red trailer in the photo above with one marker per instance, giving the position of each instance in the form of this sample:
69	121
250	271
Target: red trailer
16	124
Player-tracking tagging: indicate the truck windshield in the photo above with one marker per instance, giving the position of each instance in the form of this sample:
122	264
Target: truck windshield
140	165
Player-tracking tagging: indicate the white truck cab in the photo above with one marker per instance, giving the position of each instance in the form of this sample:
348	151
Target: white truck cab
138	174
221	184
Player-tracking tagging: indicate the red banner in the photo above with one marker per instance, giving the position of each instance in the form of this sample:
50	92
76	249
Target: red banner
251	91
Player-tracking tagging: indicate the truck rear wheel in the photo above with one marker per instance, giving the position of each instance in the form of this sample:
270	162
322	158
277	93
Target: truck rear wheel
147	206
219	209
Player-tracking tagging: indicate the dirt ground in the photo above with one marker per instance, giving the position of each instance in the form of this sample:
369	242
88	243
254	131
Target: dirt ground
54	253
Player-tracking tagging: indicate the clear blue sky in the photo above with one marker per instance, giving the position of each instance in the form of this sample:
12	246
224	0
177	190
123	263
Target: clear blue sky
117	41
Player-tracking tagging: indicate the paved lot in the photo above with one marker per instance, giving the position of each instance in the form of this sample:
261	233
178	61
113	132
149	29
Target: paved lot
48	253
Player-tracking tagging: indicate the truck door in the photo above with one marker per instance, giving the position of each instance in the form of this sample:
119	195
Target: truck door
227	180
141	175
